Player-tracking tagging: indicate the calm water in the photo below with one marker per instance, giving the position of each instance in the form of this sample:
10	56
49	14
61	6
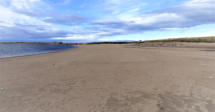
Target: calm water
11	50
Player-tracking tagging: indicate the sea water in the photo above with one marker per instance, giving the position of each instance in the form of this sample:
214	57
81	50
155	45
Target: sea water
11	50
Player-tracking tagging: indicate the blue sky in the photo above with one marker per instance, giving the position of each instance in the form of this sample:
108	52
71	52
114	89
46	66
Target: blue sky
104	20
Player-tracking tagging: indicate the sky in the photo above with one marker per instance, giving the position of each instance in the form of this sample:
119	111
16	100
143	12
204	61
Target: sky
104	20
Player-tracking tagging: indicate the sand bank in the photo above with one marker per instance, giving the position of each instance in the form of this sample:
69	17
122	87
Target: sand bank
110	78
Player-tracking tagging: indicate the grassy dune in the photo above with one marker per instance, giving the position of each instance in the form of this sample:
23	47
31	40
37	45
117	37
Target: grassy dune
210	39
178	42
194	39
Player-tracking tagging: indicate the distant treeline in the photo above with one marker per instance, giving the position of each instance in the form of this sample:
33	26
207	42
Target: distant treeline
194	39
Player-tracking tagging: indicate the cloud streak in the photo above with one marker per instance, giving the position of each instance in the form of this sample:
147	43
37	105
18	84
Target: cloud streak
66	19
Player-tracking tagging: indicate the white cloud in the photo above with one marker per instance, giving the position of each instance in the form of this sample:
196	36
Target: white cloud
76	37
17	25
66	2
200	3
10	18
123	6
188	14
88	36
27	7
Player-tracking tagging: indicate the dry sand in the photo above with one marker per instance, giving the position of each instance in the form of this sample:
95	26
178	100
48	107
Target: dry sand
110	78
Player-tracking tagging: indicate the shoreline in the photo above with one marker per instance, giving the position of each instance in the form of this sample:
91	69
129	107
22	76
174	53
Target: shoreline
48	52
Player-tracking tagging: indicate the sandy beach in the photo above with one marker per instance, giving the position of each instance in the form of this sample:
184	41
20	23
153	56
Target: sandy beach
111	78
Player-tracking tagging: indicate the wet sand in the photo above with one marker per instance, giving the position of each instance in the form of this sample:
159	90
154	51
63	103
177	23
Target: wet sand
111	78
